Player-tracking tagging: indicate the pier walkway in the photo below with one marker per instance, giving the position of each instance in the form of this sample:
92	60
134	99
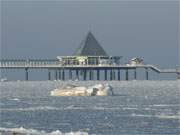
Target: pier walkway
55	64
61	69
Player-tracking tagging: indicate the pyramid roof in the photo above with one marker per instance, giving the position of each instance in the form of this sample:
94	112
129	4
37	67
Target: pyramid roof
90	47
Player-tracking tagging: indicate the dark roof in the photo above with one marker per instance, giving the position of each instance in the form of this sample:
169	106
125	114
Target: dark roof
90	47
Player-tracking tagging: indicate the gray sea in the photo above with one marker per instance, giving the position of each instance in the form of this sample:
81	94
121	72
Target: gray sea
138	108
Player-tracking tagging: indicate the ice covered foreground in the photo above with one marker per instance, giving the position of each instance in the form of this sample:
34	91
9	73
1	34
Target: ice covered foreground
95	90
24	131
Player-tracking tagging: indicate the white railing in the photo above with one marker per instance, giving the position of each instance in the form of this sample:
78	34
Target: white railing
57	64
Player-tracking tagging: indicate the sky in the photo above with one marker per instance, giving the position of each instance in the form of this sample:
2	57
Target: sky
46	29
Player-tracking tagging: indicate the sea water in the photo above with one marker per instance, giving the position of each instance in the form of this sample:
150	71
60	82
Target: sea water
137	108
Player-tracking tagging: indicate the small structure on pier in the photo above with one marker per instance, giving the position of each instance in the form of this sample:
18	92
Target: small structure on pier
90	52
136	61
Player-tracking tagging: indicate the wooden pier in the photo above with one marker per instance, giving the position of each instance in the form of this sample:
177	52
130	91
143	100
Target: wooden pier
85	72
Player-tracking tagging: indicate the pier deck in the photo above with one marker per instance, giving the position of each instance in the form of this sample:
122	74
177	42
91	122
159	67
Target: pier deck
110	70
55	64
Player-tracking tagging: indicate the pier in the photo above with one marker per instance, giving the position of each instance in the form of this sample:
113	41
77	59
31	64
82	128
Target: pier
86	71
89	62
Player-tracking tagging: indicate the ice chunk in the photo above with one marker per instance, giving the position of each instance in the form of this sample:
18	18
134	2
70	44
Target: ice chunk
95	90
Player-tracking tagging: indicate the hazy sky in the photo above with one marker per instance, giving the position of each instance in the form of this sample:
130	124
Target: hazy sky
46	29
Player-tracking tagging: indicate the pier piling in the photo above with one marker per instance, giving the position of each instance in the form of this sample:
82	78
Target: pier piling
147	74
49	75
127	76
63	75
90	75
70	74
119	74
59	74
114	75
98	74
26	74
111	72
77	74
56	75
84	74
105	74
135	74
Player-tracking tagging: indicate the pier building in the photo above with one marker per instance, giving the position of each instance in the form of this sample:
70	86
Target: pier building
90	52
89	62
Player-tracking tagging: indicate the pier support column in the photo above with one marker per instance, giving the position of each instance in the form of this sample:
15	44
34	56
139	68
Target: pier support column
105	74
127	76
63	75
59	74
70	74
84	74
26	74
135	74
147	74
114	75
111	75
98	74
49	74
119	74
77	74
90	74
56	75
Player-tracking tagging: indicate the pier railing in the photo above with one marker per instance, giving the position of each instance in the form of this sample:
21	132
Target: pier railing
57	64
60	68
